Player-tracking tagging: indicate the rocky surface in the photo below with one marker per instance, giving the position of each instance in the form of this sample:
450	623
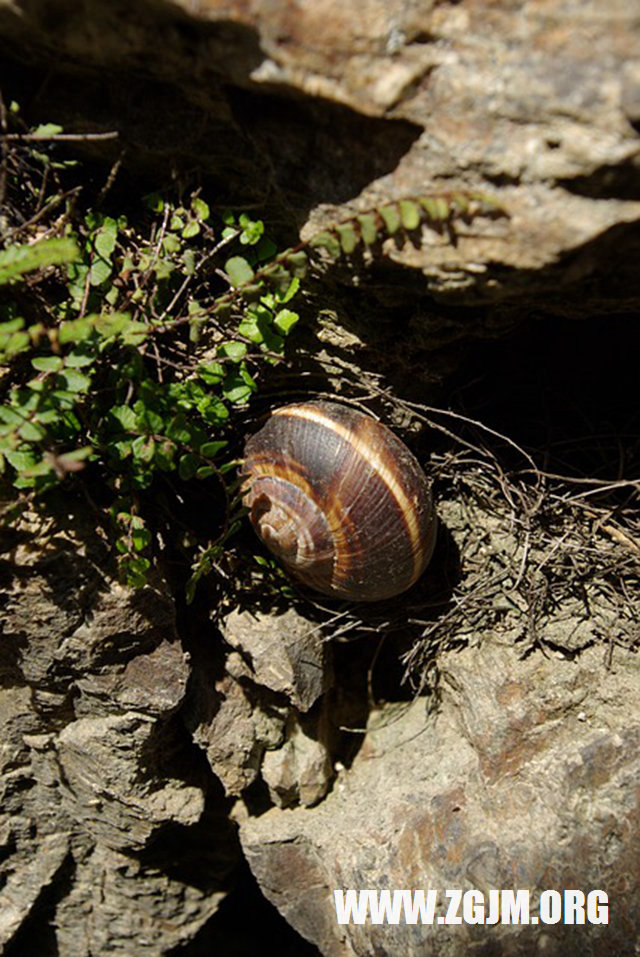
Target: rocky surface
521	778
258	718
322	108
91	762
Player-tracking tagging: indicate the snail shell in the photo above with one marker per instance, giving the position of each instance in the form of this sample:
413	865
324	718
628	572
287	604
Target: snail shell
340	500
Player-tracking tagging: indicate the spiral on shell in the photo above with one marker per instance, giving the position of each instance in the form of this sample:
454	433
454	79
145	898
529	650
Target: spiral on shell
340	500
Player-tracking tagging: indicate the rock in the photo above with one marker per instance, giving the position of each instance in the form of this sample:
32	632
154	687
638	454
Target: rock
252	722
33	848
22	889
525	777
153	684
120	906
100	765
322	109
220	719
286	653
94	766
300	771
65	617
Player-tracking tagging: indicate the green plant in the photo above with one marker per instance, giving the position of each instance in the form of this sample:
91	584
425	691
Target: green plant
130	341
115	355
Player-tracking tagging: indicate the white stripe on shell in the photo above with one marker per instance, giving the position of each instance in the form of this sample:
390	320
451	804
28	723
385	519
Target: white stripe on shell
386	474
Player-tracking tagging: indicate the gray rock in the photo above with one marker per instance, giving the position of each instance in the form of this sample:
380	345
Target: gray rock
252	721
221	722
104	791
119	906
300	771
93	676
525	777
324	109
286	654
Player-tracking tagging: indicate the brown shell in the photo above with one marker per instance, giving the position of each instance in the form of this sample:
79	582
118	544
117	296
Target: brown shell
340	500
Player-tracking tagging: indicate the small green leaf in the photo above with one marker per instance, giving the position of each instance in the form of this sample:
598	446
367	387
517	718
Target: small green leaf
164	455
140	538
409	214
154	202
135	571
124	416
196	309
106	238
147	420
210	449
290	291
211	372
143	448
45	130
135	333
10	416
21	460
251	230
24	400
391	218
348	237
76	360
200	208
112	295
238	270
75	330
99	272
278	277
326	240
64	399
436	207
191	229
110	324
250	328
171	244
188	465
31	432
179	430
75	381
17	260
297	263
235	388
47	363
79	455
121	449
189	262
11	326
13	344
285	320
232	350
368	228
213	410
